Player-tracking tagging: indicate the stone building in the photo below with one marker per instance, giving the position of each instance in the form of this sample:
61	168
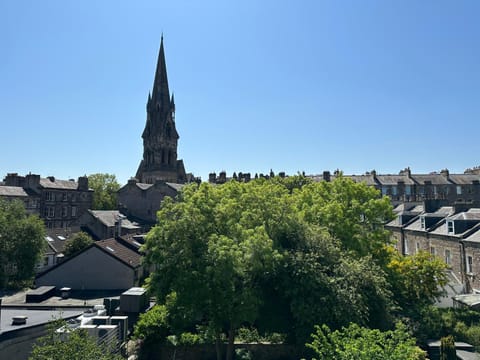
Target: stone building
160	136
160	173
59	202
408	187
142	201
451	233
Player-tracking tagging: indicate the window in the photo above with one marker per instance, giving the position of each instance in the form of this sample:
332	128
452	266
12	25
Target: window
448	259
74	211
459	190
64	211
433	251
405	246
417	247
49	212
469	264
408	190
64	196
384	190
394	190
49	196
450	227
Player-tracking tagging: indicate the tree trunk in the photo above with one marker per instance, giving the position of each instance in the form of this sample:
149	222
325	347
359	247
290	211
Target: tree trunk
231	338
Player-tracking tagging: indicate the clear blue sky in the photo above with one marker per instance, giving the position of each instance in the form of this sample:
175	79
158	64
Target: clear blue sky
285	85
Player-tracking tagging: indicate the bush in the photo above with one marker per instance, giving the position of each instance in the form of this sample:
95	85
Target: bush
152	326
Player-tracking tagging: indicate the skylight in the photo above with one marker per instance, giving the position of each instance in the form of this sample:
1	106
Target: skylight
110	249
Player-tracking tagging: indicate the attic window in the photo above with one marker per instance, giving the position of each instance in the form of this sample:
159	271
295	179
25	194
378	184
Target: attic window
110	249
450	227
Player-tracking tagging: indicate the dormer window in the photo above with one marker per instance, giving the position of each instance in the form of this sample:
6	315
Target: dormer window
450	227
459	190
422	222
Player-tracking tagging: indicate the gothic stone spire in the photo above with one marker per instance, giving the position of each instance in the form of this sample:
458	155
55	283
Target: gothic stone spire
160	135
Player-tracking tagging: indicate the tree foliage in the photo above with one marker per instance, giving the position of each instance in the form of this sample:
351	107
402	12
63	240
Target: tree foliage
22	244
417	280
77	243
105	187
360	343
76	344
281	255
447	348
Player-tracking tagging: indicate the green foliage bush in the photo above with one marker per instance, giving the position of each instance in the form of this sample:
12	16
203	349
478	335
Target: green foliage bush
152	326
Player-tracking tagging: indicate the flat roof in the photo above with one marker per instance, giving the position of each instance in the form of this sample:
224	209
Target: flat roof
34	317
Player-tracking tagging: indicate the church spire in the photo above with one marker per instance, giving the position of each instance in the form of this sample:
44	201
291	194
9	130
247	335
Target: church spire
160	93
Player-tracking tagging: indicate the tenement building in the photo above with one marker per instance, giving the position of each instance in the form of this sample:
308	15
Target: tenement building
451	233
160	172
408	187
59	202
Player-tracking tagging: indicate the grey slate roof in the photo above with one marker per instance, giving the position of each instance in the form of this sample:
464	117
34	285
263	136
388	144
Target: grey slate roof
394	179
13	191
109	217
119	251
435	179
58	184
463	179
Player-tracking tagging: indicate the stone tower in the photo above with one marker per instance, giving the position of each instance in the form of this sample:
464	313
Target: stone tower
160	136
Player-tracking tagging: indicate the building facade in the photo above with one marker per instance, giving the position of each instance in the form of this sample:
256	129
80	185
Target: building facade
58	202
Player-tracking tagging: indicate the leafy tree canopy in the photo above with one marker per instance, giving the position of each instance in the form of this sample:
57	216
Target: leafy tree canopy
355	342
22	244
105	187
76	345
76	243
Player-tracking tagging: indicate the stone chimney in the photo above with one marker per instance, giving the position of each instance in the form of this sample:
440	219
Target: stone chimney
212	178
222	178
32	181
445	173
83	183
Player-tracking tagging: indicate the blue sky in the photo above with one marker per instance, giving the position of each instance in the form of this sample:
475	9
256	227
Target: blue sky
285	85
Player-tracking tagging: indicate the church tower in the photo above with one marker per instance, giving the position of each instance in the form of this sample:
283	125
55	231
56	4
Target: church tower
160	136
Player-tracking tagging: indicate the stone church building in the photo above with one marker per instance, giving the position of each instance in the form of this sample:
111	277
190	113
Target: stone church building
160	172
160	136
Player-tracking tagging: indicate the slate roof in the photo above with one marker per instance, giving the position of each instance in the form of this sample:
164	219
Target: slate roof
435	179
12	191
56	242
174	186
58	184
463	179
471	214
394	179
120	252
367	179
109	217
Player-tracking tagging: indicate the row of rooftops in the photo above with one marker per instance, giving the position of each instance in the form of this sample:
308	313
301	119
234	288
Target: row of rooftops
405	177
452	221
16	185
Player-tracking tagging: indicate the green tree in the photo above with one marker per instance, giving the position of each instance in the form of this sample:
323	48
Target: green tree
76	344
447	348
359	343
105	187
417	280
353	213
22	244
211	249
76	243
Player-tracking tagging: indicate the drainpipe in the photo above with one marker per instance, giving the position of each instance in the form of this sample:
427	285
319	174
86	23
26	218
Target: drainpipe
463	267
